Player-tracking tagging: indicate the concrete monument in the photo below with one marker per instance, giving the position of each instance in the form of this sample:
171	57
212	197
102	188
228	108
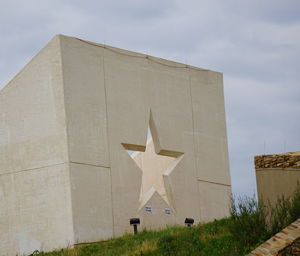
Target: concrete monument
67	121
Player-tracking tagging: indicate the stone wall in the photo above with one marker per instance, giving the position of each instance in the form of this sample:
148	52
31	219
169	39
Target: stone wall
284	243
278	175
287	160
291	250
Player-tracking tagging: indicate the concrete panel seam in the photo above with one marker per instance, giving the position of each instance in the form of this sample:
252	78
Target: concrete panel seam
95	165
31	169
64	99
193	123
67	129
213	182
108	143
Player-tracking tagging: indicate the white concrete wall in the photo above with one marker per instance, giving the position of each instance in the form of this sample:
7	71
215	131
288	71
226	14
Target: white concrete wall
210	141
91	203
86	118
66	122
122	93
35	205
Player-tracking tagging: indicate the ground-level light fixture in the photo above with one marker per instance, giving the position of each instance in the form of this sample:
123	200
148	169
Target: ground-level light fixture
189	221
134	222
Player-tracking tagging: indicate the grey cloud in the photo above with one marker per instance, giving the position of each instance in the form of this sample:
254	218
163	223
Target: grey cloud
131	10
262	118
276	11
256	44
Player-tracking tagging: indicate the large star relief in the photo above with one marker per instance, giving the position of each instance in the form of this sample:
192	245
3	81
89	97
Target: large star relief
156	165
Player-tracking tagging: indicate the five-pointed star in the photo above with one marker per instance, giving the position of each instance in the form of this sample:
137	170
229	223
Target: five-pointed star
154	168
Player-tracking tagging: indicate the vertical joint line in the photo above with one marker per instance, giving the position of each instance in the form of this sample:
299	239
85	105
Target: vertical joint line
193	123
108	144
63	81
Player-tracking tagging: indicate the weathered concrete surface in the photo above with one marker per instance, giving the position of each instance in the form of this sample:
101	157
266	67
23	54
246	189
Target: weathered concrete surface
35	198
277	175
67	120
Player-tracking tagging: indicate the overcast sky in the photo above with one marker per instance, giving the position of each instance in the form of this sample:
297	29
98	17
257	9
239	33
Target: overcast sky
255	43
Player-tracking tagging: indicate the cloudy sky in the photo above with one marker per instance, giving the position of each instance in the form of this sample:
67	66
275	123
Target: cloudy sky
255	43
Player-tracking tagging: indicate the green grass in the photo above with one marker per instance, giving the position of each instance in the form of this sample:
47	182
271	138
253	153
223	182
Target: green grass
250	224
211	239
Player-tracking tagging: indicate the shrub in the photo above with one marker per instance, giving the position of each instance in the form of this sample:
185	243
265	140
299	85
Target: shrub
248	221
253	222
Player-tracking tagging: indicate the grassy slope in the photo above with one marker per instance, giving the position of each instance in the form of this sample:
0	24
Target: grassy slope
250	224
209	239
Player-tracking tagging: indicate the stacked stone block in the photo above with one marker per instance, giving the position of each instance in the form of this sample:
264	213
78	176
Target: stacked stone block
287	160
284	243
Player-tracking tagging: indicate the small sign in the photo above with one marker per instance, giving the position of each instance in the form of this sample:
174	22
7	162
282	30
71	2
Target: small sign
148	209
168	211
